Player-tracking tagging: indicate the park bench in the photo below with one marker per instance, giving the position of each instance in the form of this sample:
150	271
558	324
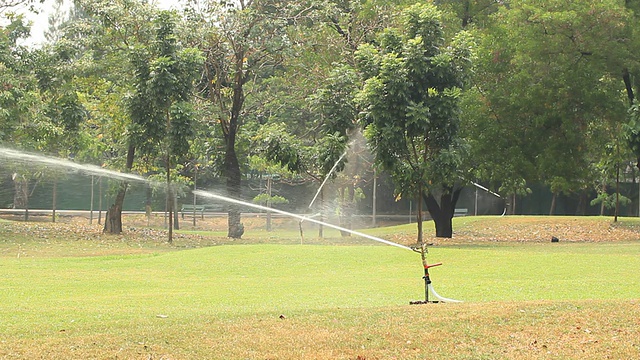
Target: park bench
460	212
192	209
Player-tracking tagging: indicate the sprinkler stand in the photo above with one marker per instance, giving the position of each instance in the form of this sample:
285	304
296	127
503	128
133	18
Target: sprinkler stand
428	287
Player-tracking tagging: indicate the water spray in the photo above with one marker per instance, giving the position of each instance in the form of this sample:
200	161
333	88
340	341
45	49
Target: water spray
56	162
211	195
326	179
492	193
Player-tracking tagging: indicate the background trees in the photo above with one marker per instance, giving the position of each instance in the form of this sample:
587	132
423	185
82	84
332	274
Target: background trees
552	85
546	96
243	44
104	39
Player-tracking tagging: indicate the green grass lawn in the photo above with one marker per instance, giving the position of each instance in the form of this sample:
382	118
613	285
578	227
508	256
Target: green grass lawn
338	302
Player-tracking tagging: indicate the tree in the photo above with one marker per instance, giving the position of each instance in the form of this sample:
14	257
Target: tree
23	118
161	105
410	100
315	91
471	12
8	5
243	43
544	87
56	72
336	113
630	77
104	37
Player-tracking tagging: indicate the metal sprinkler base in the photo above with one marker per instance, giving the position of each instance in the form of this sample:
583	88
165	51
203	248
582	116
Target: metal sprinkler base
423	302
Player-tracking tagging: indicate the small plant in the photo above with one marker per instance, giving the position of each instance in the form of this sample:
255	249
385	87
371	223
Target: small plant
608	201
266	200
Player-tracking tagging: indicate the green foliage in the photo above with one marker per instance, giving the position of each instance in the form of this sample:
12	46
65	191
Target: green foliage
411	103
21	121
160	107
547	105
334	102
264	199
548	98
632	129
329	150
515	187
279	147
472	13
609	200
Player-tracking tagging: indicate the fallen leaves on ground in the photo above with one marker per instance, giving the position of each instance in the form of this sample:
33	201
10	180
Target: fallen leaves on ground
473	230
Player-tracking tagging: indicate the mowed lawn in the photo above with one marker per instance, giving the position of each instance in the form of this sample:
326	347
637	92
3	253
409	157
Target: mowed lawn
262	301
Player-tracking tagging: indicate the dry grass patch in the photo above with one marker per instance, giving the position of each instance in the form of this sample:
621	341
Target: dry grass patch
523	330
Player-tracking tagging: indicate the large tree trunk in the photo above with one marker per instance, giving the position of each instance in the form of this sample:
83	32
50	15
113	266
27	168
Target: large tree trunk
234	189
113	223
231	164
442	213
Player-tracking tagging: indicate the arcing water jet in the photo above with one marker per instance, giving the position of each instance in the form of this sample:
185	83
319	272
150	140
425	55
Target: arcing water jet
326	178
28	158
211	195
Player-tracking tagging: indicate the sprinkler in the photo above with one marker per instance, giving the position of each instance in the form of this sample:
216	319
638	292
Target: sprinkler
428	288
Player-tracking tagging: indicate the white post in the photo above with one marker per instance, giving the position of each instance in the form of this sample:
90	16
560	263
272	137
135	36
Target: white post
475	209
91	206
100	200
195	180
375	190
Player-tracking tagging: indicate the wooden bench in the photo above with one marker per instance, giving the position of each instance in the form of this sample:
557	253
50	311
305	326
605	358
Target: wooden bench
192	209
460	212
